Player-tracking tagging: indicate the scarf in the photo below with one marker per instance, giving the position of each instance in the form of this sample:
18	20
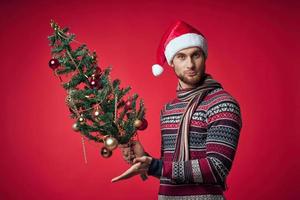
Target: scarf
193	96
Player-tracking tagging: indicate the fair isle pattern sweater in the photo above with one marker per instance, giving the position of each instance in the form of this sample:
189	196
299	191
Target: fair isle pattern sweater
213	139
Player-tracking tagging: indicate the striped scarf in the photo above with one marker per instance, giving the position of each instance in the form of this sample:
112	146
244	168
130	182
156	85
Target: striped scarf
193	96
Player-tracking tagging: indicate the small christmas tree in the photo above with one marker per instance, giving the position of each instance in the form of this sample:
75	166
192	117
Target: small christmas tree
103	111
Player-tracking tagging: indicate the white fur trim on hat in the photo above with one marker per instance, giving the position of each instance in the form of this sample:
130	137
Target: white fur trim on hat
185	41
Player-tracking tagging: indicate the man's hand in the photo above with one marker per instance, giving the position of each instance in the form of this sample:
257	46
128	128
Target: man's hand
132	150
140	166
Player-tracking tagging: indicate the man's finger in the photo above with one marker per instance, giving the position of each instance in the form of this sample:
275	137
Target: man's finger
132	171
118	178
139	159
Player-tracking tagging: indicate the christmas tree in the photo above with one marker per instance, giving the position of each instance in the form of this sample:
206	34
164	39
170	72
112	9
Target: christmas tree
103	111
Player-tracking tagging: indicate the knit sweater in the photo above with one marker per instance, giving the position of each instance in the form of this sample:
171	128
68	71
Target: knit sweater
213	139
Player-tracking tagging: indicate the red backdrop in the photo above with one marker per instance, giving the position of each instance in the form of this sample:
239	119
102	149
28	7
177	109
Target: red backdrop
253	52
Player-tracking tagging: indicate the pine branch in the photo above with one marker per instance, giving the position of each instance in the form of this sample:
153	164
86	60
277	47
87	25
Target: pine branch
90	89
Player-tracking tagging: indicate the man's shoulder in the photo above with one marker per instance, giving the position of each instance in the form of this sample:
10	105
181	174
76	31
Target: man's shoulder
222	105
213	98
219	95
170	102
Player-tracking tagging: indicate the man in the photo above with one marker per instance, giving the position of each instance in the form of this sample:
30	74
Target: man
199	128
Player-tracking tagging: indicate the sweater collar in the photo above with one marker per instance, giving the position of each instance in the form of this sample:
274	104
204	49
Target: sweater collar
186	94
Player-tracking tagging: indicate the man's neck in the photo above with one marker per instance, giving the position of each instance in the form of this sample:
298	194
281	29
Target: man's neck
187	86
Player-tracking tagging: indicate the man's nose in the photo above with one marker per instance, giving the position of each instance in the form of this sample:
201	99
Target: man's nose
190	63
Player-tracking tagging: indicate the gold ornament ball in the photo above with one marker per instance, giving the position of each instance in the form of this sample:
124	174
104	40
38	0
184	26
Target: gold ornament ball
137	123
105	152
110	143
75	127
81	120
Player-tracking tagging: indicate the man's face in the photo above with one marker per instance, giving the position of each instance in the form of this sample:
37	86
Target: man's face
189	66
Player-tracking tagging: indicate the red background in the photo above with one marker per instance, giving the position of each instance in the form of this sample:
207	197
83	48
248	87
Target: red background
253	52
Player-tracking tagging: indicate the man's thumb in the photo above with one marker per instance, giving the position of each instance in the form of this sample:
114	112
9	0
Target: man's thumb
139	159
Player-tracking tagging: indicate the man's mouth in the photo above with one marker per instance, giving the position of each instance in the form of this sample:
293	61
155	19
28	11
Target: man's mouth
190	73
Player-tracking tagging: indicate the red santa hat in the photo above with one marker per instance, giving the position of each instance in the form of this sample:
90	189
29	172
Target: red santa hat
179	36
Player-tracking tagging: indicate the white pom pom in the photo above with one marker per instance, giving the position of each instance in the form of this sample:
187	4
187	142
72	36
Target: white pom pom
157	70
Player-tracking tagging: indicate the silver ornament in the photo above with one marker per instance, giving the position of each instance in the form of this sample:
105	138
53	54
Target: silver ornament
75	127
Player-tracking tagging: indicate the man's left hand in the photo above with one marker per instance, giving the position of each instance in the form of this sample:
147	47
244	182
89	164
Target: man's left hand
140	166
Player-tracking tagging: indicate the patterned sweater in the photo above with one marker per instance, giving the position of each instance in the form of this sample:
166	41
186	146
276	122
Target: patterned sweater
213	139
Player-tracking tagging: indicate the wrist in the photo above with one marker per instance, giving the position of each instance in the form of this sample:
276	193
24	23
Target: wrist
155	167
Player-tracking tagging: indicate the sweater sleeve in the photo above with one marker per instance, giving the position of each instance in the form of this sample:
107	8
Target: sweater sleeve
224	125
155	168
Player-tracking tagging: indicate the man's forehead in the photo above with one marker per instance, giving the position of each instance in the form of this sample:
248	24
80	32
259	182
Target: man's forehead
189	50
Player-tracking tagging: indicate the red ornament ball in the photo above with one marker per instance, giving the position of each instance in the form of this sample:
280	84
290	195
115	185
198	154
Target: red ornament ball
97	73
128	105
94	83
53	63
144	125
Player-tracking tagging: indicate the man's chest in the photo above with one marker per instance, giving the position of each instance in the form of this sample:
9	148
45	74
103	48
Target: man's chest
170	122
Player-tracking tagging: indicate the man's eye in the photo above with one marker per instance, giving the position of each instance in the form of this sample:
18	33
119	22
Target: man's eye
181	57
197	55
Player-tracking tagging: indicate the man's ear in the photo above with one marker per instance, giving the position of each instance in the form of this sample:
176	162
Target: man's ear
172	64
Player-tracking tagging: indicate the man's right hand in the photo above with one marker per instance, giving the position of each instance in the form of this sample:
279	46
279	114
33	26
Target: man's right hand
132	150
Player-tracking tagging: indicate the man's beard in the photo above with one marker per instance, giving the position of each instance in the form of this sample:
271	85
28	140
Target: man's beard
195	80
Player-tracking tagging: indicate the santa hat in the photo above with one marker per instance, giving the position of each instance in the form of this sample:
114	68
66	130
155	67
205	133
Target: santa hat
179	36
